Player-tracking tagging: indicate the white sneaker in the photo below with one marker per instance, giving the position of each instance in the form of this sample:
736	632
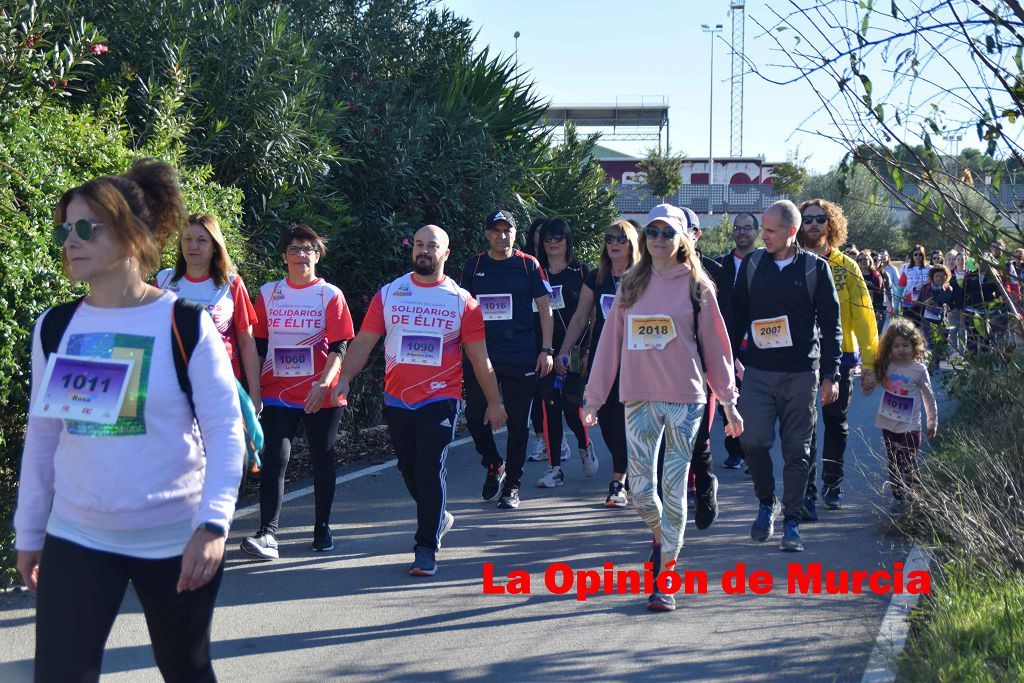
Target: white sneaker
551	478
589	458
449	522
566	452
540	450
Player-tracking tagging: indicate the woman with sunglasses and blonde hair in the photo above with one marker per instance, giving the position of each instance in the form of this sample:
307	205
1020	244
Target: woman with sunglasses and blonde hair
118	482
205	274
667	335
621	252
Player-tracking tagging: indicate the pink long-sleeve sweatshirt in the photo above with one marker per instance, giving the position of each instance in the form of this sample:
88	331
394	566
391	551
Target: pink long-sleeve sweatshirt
673	373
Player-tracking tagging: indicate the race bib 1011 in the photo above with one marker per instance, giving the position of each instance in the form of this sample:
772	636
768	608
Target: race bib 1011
293	361
495	306
420	349
84	389
772	333
649	332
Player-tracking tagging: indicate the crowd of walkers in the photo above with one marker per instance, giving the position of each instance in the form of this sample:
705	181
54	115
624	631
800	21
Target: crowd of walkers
135	447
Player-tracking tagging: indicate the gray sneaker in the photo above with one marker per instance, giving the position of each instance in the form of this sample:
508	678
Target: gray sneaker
261	545
590	463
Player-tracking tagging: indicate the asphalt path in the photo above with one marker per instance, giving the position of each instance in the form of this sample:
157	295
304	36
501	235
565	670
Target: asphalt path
356	614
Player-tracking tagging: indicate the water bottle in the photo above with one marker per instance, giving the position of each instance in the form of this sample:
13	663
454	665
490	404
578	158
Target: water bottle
560	379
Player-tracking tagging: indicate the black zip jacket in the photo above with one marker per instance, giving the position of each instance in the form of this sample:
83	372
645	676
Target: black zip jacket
813	320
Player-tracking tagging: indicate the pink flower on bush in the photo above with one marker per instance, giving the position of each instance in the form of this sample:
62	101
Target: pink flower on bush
99	48
405	241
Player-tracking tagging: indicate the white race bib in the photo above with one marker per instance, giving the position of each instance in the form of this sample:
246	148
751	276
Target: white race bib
84	389
421	349
649	332
897	408
606	304
555	299
495	306
293	361
771	333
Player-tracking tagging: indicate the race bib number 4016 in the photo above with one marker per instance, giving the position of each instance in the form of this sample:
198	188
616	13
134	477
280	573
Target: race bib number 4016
648	332
772	333
495	306
84	389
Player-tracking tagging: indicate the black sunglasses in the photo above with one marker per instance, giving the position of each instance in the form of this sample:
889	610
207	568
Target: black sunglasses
552	239
83	227
668	233
820	220
615	239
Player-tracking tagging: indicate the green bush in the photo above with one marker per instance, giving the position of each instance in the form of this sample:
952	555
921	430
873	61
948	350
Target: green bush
43	152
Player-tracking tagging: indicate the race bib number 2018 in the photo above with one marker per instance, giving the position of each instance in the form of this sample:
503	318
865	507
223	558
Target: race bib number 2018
84	389
648	332
772	333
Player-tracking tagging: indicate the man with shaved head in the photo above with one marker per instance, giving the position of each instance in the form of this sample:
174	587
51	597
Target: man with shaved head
785	302
426	320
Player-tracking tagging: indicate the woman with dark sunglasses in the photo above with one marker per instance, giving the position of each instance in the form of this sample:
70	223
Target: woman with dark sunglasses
913	279
621	252
118	484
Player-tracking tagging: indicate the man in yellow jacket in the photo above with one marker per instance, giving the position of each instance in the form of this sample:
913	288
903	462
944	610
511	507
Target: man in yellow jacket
823	231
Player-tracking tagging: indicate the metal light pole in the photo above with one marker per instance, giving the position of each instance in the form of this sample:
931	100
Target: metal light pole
516	53
711	112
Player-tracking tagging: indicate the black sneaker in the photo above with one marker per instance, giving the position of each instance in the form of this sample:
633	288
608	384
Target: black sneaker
492	485
809	512
509	498
261	545
655	559
833	498
322	541
733	462
707	506
616	496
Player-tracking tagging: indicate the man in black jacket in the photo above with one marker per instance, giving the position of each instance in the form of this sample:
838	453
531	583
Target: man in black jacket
785	299
745	231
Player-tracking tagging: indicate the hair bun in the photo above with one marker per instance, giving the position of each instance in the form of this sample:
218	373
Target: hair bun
158	181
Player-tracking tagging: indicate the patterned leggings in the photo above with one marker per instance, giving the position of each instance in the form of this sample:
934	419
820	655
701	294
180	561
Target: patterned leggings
645	424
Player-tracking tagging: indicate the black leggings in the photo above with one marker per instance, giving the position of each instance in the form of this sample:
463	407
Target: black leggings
80	593
279	427
537	411
553	406
612	418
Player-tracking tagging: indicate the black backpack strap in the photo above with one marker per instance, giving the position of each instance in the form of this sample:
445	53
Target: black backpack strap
184	338
55	324
695	300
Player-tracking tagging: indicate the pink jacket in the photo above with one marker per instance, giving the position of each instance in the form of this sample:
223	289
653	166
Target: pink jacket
672	374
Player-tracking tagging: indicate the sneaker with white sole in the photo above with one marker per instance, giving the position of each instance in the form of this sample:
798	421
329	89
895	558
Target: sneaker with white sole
446	526
261	545
322	541
540	450
590	463
566	452
493	482
616	496
425	563
552	478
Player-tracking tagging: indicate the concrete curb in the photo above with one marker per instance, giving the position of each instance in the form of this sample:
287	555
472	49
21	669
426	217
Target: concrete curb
892	636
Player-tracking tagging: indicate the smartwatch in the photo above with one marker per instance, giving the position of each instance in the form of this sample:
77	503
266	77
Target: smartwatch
548	350
214	528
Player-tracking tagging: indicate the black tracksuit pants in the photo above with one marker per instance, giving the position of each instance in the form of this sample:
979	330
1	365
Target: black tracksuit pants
516	384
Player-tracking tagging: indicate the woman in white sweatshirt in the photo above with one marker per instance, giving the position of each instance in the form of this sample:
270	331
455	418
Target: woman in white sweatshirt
118	482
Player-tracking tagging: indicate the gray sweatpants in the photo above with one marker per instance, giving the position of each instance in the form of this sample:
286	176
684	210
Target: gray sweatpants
790	399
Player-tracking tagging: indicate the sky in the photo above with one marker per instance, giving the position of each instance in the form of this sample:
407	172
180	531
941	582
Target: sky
603	51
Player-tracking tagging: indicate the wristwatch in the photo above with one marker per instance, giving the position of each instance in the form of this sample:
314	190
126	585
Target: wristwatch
548	350
214	528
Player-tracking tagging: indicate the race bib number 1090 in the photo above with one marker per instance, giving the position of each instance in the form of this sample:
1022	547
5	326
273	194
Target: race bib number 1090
648	332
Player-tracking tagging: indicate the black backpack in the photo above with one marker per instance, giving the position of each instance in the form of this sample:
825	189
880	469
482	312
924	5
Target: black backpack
184	335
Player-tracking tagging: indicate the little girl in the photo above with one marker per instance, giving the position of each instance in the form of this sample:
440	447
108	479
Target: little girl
903	375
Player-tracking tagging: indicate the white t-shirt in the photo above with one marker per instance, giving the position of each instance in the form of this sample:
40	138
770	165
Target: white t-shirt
152	468
785	262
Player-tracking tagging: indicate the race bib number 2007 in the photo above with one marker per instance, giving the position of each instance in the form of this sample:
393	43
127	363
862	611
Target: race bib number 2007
84	389
646	332
772	333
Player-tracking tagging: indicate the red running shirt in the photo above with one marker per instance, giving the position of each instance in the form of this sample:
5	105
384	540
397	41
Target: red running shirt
425	327
299	324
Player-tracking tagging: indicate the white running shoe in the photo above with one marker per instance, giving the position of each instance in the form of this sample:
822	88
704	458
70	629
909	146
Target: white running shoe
589	458
540	450
449	522
552	478
566	452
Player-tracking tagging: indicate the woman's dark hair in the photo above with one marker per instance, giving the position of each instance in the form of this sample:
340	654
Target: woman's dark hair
556	226
531	233
918	249
143	208
302	233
